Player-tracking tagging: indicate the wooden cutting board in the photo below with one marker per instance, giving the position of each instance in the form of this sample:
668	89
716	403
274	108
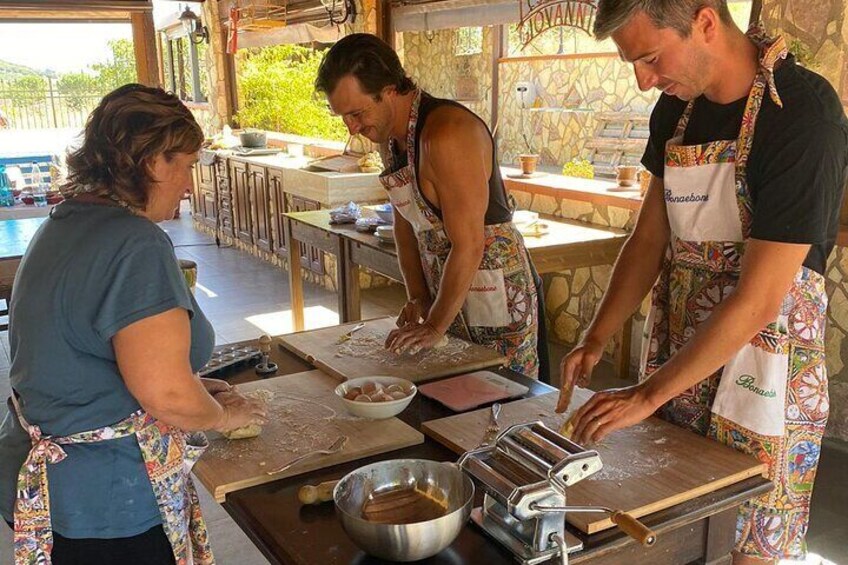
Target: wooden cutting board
364	355
303	415
648	467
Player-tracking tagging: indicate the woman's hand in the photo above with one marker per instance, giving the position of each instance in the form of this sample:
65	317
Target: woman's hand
576	370
414	311
214	386
239	411
611	410
413	337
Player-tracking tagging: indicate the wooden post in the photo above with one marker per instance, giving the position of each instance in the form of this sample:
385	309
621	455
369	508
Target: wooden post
144	44
295	282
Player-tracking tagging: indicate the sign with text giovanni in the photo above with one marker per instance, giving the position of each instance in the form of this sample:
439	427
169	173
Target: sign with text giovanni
538	16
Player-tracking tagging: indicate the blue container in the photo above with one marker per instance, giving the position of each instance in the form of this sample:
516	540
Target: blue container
7	198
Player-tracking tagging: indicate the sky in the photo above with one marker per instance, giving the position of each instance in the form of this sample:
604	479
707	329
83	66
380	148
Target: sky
72	46
61	47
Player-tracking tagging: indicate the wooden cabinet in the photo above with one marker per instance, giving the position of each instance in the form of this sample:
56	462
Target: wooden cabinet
208	205
260	200
279	239
240	184
224	198
311	257
204	205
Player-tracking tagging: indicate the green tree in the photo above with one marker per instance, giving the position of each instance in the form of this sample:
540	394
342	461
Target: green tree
119	69
77	90
276	87
28	91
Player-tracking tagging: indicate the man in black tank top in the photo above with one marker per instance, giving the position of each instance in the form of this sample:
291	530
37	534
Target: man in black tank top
454	192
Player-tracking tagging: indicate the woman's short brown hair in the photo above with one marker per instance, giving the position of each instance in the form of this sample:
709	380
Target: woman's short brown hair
130	126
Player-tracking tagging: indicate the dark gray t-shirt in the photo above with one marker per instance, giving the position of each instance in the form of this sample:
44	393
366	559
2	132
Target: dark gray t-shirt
90	271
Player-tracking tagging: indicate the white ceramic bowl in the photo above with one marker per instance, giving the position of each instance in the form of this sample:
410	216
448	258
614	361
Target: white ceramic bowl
376	410
385	213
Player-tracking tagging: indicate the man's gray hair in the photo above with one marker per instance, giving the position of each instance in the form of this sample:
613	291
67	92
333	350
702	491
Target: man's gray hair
674	14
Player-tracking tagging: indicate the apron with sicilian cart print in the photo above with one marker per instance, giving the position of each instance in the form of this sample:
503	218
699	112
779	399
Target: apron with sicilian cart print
500	310
770	400
168	456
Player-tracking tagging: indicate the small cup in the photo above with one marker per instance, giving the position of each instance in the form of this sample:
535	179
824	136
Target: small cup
626	174
528	163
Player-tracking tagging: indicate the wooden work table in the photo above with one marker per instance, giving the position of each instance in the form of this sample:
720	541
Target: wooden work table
568	245
701	530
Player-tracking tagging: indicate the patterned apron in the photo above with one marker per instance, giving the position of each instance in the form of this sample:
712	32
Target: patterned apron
500	310
168	455
770	400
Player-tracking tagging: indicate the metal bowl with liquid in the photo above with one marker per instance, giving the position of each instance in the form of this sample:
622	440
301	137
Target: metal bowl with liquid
404	509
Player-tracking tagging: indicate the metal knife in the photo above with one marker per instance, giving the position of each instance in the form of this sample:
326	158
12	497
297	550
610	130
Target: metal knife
344	337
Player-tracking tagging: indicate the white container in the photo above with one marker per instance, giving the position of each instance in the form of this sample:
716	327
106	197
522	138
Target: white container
377	410
294	149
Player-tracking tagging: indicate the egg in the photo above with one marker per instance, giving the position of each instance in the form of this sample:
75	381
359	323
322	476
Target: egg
353	393
397	395
362	398
394	388
370	388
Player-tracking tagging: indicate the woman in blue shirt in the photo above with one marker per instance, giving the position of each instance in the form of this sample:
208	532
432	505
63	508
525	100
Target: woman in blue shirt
105	340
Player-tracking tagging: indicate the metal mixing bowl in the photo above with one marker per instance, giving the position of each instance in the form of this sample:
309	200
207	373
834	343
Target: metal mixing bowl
404	542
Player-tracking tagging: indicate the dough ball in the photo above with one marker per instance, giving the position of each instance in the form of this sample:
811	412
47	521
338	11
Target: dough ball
397	395
380	397
394	388
362	398
442	342
244	432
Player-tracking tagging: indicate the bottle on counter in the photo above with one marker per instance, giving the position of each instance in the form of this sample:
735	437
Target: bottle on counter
39	191
7	197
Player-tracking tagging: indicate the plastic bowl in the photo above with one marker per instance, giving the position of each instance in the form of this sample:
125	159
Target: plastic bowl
385	213
377	410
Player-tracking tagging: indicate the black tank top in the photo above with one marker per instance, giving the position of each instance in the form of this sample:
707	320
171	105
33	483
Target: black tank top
498	210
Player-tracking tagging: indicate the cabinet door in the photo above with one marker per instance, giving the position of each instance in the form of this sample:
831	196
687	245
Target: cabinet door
260	207
311	257
279	238
197	196
224	197
241	200
207	206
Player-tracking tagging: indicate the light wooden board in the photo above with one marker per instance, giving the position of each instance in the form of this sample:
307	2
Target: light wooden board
364	355
648	467
304	415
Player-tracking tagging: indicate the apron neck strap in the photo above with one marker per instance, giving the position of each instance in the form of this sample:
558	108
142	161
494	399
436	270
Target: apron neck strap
772	50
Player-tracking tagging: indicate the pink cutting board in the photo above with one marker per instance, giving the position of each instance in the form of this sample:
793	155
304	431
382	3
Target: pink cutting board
472	390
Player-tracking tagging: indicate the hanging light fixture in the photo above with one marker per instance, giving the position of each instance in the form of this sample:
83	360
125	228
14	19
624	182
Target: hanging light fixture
194	28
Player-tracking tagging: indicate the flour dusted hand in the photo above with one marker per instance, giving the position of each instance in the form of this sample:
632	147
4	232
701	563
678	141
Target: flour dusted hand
242	411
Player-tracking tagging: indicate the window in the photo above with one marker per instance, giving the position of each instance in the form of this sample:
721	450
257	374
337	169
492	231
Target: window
184	68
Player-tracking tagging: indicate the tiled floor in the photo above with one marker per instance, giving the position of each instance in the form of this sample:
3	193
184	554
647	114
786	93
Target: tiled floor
244	297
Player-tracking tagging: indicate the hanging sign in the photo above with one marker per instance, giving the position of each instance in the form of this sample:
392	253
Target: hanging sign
538	16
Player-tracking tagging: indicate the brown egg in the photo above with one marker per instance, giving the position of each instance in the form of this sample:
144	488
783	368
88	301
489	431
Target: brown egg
380	397
397	394
370	388
394	388
353	393
362	398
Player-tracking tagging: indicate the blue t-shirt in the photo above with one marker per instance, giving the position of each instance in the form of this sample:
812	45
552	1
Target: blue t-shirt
89	271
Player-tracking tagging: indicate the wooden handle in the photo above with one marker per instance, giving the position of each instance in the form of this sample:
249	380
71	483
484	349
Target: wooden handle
309	494
634	528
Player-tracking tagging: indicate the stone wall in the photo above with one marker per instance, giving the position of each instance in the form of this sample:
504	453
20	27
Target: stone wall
818	31
430	59
572	90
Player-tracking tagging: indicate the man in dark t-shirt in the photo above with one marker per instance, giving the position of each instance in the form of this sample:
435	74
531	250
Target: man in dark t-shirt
749	153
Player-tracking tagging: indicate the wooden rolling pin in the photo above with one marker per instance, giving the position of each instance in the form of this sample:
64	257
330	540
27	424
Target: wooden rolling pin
310	494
